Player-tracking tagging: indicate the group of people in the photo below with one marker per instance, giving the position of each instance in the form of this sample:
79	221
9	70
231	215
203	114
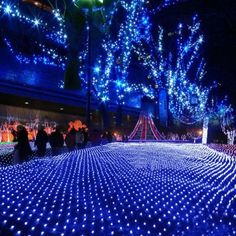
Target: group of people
57	140
76	137
8	129
190	135
174	136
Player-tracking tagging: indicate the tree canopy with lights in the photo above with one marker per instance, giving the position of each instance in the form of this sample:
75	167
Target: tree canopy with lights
125	32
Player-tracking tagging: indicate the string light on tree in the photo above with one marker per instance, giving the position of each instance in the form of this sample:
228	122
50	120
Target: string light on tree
225	113
187	96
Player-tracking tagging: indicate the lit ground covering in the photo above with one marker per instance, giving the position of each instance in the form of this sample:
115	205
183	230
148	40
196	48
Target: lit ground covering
225	148
7	153
122	189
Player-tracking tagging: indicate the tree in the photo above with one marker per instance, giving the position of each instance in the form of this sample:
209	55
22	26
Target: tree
225	113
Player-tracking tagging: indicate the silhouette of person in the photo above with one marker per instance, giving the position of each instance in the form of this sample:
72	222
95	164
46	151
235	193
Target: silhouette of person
109	136
41	141
70	140
56	141
79	138
86	136
22	148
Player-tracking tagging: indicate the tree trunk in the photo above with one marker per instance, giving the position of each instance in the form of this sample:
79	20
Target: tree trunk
75	25
71	80
119	117
205	130
230	136
105	116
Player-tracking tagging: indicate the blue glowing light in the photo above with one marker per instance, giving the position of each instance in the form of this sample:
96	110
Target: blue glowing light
36	22
134	189
7	9
47	56
168	69
96	69
188	98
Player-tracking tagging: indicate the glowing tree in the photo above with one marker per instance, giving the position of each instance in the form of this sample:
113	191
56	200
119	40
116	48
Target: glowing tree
181	71
224	111
151	56
112	67
65	30
187	97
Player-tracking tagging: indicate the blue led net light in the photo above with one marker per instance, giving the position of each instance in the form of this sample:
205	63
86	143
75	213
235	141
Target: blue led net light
122	189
